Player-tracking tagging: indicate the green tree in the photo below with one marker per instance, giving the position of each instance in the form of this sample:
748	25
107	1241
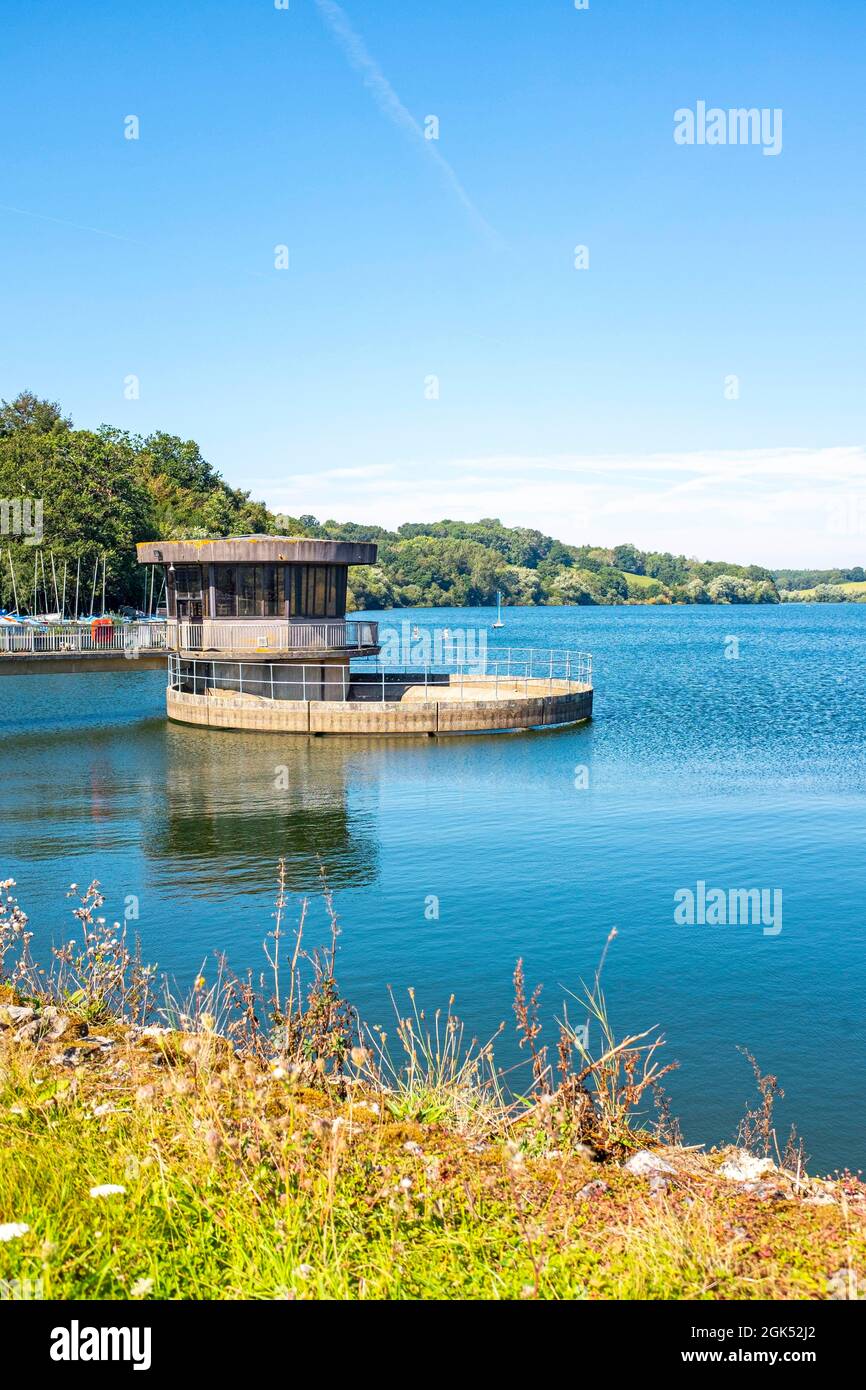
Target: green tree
29	412
731	588
94	503
573	586
629	559
369	588
523	585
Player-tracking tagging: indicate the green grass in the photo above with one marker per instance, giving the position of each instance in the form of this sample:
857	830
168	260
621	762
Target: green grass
240	1184
855	589
639	581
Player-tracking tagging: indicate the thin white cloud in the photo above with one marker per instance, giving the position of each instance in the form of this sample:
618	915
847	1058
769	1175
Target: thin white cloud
368	470
777	507
391	106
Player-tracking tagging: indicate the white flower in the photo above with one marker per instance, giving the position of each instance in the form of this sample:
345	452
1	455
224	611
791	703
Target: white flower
303	1271
11	1230
108	1189
141	1288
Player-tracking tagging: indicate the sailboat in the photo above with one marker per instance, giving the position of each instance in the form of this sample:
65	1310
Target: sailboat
499	622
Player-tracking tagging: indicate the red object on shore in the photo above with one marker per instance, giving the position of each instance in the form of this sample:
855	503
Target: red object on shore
100	632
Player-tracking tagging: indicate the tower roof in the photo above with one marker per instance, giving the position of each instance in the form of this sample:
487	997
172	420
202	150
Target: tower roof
256	550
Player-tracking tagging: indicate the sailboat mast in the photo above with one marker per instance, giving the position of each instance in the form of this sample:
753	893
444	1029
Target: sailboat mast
44	580
14	585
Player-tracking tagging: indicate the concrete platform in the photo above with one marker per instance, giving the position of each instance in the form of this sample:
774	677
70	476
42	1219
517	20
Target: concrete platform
535	704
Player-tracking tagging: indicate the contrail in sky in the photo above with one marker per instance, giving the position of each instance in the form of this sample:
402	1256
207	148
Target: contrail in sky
390	104
61	222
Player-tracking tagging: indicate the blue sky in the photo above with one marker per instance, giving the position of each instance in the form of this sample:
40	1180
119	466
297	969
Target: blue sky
591	403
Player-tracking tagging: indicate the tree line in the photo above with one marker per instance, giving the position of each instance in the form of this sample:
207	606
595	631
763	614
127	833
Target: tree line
103	490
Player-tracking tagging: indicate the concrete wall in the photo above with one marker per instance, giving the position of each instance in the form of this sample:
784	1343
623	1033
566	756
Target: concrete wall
56	664
421	717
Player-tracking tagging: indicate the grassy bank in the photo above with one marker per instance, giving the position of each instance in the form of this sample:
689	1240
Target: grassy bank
210	1155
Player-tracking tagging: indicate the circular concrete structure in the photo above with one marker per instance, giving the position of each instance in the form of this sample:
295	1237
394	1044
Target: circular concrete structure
470	705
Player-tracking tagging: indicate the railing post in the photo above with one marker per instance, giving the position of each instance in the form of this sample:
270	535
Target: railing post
304	680
272	679
383	685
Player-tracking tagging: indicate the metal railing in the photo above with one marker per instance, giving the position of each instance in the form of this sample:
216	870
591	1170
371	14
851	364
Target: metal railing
228	635
523	663
71	638
501	676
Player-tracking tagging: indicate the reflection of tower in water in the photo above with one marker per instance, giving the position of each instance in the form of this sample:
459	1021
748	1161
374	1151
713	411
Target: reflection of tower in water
237	802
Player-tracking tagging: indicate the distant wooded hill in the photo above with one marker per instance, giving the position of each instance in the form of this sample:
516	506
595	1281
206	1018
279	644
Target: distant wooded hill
104	490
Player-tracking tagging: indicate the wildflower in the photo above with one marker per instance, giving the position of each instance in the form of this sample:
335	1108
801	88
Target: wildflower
302	1271
199	984
11	1230
358	1056
208	1022
278	1073
108	1189
406	1184
141	1288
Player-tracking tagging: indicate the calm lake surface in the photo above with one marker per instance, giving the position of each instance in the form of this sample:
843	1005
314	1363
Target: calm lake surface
743	772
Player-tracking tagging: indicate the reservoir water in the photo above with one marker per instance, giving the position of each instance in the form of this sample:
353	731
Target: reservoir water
727	749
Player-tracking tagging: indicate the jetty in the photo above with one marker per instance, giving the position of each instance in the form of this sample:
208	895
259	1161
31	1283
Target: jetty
63	647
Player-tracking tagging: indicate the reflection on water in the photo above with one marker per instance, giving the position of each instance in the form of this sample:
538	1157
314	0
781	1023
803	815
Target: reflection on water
214	808
235	802
746	772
